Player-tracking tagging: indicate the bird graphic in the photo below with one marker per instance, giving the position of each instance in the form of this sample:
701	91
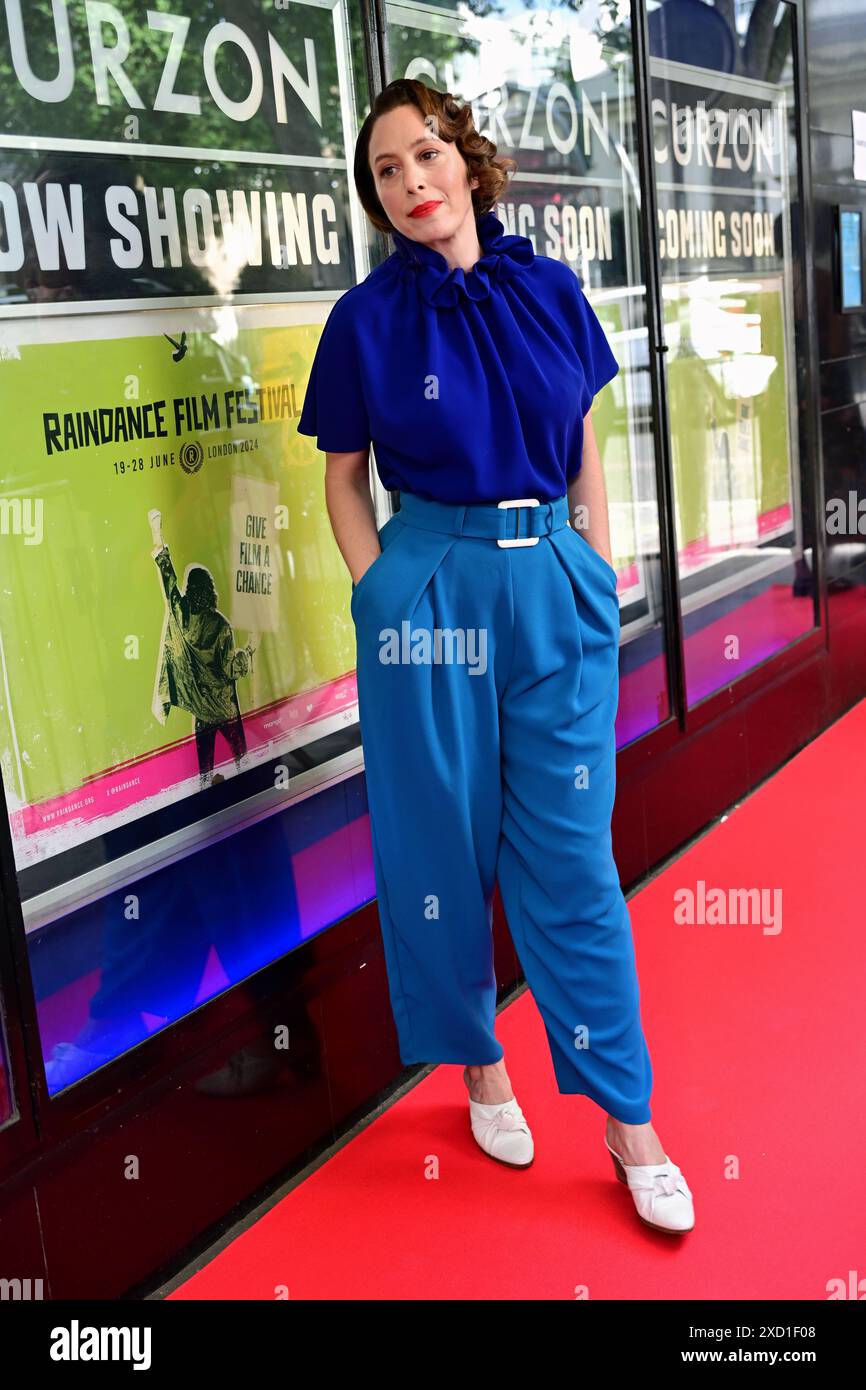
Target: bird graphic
180	347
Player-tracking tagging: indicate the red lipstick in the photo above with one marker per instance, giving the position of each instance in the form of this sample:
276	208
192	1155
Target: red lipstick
424	209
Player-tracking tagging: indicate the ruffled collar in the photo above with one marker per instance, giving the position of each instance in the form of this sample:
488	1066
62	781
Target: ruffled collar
503	257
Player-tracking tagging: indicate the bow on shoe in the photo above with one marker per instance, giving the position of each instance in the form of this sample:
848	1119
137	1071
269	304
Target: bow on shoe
507	1119
660	1183
665	1183
502	1132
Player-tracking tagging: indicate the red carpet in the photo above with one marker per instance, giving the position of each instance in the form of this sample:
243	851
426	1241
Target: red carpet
757	1048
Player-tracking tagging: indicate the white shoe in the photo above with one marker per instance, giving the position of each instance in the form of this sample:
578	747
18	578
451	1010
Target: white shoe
660	1192
502	1132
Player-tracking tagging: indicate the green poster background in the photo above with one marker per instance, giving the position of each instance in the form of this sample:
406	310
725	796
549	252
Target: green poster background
701	407
82	611
614	431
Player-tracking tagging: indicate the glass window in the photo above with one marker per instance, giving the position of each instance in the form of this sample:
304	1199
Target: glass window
176	650
726	160
554	90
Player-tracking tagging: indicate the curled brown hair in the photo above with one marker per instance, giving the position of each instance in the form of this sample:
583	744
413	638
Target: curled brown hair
450	122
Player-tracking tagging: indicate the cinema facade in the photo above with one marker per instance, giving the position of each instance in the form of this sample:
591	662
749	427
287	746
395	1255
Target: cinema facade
190	949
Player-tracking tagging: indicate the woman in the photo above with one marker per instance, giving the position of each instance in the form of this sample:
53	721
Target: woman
487	632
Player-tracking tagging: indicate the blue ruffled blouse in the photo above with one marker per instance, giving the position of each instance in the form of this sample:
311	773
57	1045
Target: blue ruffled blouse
472	386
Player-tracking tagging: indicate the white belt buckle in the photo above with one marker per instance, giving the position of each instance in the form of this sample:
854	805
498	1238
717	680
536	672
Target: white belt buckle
521	502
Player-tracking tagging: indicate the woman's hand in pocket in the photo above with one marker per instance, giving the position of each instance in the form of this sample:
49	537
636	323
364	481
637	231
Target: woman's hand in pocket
350	508
358	577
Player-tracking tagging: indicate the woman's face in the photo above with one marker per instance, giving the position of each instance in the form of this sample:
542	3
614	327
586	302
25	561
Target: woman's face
413	169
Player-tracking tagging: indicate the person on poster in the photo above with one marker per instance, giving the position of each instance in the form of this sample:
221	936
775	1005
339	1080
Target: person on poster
199	666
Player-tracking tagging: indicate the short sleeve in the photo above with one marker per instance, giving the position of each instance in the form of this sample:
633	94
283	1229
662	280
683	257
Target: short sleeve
599	364
334	408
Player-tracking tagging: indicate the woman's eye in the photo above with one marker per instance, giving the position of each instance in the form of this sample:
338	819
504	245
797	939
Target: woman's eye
385	171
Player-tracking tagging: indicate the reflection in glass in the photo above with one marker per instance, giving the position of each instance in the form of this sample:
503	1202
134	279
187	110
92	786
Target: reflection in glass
213	165
554	90
135	960
725	158
176	648
163	663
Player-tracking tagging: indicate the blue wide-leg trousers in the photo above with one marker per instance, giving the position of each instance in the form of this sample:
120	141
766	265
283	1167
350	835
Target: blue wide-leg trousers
488	681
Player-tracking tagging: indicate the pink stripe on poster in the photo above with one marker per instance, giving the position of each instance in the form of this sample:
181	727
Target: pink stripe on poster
123	787
779	519
770	523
